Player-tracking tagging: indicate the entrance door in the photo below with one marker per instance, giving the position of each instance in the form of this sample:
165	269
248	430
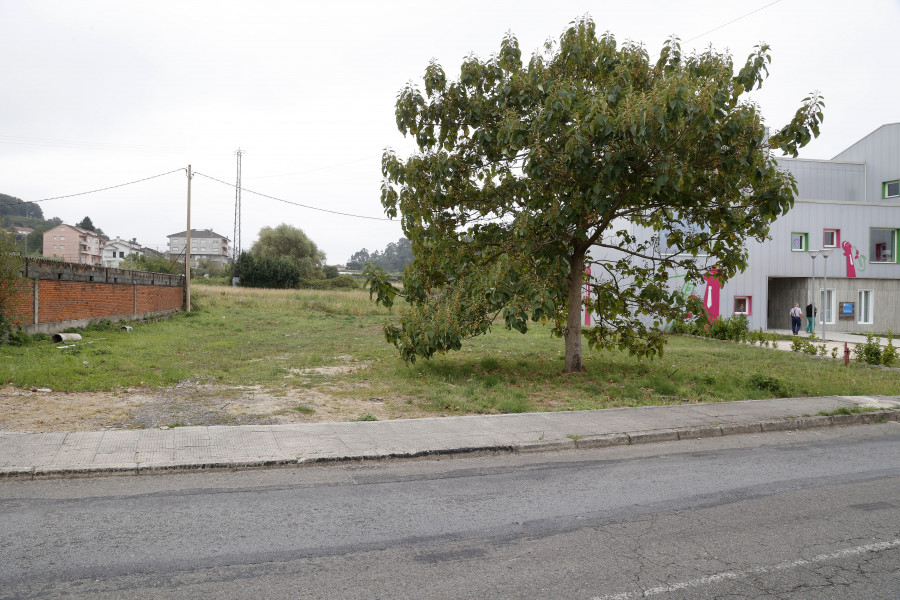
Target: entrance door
827	308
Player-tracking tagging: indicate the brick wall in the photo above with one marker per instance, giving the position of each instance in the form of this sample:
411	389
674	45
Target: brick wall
75	295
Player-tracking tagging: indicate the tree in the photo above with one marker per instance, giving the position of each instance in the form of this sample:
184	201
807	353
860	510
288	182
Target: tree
10	205
330	271
359	260
393	259
526	172
291	243
268	271
87	224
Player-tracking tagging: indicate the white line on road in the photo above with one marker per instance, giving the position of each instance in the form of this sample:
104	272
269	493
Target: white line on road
728	575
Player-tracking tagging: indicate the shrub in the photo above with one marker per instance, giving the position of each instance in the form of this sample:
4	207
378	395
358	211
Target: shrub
341	282
268	272
734	328
889	352
870	351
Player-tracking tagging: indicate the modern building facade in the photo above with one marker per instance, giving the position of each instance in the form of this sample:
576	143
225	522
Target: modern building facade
206	244
837	248
74	244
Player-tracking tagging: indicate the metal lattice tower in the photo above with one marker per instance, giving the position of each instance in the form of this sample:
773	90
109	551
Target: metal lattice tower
236	245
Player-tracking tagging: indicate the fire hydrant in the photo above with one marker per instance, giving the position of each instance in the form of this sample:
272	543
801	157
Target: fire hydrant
846	354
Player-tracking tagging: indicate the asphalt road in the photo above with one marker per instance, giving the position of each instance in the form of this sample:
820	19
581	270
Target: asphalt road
802	515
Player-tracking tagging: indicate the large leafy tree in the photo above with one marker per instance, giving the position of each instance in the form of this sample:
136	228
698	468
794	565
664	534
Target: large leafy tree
589	154
291	243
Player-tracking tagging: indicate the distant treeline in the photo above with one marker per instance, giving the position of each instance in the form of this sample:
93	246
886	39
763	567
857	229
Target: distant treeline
392	259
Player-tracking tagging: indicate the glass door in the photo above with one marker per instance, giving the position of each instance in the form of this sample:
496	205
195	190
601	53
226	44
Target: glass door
826	306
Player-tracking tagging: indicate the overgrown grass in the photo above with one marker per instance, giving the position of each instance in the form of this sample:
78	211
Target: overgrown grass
281	339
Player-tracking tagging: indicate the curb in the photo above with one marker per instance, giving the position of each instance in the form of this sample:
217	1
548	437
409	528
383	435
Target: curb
580	443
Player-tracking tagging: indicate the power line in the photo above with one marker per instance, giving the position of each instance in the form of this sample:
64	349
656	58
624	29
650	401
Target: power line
86	145
325	167
732	21
334	212
112	187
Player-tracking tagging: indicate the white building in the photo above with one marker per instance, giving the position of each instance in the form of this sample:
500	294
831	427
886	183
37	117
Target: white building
117	250
844	226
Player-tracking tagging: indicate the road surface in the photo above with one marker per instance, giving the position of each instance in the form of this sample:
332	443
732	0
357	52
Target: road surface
799	515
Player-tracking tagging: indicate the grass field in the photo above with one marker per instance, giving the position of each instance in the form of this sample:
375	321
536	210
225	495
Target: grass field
331	342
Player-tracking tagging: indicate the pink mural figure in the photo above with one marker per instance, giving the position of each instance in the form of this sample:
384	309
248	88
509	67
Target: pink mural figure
711	296
848	254
587	311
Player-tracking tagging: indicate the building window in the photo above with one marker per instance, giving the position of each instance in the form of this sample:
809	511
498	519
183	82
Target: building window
62	237
890	189
866	313
743	305
827	308
799	242
831	238
883	245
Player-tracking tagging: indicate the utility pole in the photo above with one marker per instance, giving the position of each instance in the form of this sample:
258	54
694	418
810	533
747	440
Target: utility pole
187	249
236	243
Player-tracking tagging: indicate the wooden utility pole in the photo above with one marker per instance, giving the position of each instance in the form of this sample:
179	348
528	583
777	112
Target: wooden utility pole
187	250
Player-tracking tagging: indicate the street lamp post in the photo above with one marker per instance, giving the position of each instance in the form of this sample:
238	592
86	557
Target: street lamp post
825	255
812	290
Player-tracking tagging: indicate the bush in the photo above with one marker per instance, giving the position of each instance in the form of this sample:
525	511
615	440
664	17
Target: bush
267	272
734	328
889	352
341	282
869	352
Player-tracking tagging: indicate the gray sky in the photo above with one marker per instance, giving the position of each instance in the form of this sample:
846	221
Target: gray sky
98	93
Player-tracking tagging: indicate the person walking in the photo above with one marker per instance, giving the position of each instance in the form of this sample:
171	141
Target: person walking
796	315
811	312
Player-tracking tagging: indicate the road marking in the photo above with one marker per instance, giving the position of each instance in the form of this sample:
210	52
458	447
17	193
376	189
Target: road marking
729	575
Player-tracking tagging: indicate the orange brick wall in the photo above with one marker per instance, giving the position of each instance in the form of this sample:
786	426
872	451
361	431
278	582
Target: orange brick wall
20	308
74	300
152	298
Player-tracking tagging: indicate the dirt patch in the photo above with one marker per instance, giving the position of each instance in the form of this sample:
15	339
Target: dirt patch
189	403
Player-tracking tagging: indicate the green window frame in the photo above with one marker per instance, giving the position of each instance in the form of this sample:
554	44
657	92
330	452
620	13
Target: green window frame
883	245
799	241
890	189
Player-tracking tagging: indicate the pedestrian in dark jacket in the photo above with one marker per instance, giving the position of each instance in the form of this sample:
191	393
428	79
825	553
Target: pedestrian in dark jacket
811	312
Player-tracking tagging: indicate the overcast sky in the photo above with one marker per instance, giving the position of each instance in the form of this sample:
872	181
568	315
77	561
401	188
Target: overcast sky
97	94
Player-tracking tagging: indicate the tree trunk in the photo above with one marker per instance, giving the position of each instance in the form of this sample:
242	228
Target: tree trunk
572	332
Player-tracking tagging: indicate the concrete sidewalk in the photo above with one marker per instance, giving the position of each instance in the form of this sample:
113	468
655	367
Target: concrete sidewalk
143	451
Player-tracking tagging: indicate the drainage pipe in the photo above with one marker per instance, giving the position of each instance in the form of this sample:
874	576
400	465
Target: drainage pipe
65	337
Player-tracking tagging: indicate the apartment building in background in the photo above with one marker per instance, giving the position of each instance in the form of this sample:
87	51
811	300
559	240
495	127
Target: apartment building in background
74	244
206	244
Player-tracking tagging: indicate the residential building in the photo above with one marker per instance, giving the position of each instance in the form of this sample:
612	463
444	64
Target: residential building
837	248
117	250
206	244
74	244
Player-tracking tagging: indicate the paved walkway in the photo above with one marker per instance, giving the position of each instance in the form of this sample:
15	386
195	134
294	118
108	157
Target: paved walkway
34	455
836	336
